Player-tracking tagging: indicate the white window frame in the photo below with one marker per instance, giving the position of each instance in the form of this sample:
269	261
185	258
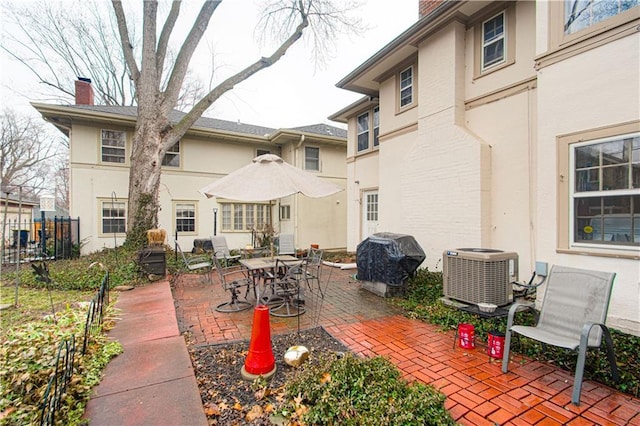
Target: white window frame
362	131
604	241
500	38
185	212
376	126
234	216
171	155
311	163
285	212
116	144
368	127
407	86
119	205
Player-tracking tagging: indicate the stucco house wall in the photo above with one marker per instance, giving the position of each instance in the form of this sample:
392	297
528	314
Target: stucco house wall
206	154
482	159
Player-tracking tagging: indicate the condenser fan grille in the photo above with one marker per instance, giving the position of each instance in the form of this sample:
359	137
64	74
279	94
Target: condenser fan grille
474	277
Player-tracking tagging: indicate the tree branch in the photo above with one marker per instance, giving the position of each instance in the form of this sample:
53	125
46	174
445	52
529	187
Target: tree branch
190	118
167	29
181	65
127	47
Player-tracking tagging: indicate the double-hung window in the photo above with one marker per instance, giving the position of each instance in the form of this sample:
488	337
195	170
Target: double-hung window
185	214
172	156
244	216
312	158
406	87
605	191
493	41
285	212
376	126
363	132
366	121
113	146
114	216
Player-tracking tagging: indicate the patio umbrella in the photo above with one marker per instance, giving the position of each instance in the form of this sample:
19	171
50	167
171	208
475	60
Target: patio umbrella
268	178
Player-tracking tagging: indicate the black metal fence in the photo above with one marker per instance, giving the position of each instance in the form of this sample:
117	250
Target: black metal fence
64	367
93	324
28	241
57	386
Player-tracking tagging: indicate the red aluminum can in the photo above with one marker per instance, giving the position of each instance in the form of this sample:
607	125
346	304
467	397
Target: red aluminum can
495	344
466	336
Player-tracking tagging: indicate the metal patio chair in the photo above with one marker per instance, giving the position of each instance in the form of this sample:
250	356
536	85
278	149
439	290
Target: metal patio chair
221	250
572	316
287	289
233	279
286	244
313	269
195	263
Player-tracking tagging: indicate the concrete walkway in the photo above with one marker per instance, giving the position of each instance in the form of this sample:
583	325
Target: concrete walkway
152	381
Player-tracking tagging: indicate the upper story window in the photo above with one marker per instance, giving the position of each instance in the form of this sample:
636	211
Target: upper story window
366	121
113	146
605	191
406	87
376	126
493	41
172	156
580	14
185	217
260	152
363	132
312	158
113	217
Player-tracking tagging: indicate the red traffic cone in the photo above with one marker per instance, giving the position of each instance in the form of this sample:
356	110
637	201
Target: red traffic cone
260	360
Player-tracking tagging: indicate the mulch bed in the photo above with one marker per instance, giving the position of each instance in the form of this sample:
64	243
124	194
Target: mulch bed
228	399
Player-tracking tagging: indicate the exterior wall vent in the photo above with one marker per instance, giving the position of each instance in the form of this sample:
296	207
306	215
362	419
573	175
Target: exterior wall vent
477	275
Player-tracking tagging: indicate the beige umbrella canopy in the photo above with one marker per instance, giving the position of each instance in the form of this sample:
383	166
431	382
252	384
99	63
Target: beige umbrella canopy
268	178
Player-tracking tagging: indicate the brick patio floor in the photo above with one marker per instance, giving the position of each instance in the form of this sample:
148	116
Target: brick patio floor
477	391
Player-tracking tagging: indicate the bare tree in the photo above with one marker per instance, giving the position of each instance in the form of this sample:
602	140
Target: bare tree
154	133
58	42
27	153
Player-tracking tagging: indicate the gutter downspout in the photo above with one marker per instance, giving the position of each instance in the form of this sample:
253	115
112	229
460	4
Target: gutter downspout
295	198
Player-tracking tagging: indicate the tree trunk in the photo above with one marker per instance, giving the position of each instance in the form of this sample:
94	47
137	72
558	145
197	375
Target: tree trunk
144	177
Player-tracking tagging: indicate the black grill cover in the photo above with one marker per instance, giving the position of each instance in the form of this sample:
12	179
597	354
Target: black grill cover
388	258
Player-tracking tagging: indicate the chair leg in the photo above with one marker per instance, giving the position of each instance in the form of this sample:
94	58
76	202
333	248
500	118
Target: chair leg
507	349
582	355
611	356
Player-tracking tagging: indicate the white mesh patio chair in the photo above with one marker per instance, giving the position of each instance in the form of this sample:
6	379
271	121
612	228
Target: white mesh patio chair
572	316
221	250
286	244
195	263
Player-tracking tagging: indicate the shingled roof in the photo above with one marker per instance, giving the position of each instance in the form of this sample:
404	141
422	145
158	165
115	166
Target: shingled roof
215	124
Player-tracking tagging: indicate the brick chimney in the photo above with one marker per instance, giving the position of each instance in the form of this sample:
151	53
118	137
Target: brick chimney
425	7
84	91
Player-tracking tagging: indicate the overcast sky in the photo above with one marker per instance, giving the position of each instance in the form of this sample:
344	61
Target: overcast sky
293	92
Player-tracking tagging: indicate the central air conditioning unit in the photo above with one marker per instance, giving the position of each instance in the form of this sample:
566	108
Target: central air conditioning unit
477	275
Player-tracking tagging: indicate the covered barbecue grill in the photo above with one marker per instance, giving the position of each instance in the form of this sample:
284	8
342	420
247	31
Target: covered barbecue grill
388	258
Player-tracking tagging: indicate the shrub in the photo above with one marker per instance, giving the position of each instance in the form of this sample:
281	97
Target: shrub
356	391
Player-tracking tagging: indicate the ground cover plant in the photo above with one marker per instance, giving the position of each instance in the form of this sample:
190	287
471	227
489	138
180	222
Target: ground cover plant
331	387
45	315
422	301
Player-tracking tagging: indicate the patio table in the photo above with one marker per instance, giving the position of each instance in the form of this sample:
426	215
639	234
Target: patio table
257	267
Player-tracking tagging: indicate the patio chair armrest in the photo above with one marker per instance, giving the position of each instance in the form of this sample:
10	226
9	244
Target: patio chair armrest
518	307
